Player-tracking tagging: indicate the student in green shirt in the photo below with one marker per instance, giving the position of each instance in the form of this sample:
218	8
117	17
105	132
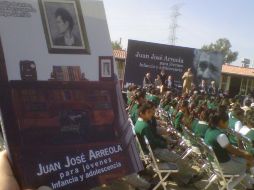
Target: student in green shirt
202	124
153	96
235	123
142	128
138	100
248	129
178	122
172	110
158	145
157	127
166	101
130	93
224	151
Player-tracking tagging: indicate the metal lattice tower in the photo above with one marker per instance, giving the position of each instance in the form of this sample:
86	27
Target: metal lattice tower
174	23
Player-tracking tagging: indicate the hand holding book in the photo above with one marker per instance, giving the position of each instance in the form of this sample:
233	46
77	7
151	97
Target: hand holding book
8	180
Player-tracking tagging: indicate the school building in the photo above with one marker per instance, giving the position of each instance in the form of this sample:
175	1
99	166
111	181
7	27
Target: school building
234	79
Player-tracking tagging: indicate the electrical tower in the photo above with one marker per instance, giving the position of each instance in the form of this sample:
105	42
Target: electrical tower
174	23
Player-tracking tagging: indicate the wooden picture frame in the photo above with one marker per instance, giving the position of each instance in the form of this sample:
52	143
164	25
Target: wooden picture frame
106	68
64	26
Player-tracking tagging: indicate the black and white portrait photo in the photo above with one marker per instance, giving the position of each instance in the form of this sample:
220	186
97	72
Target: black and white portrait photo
64	26
208	65
106	67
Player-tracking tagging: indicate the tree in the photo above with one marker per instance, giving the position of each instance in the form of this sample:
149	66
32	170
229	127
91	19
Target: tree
116	45
222	45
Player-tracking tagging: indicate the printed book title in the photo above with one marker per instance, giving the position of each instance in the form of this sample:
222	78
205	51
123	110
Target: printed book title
78	168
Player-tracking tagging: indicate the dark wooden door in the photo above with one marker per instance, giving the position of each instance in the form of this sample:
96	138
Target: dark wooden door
235	85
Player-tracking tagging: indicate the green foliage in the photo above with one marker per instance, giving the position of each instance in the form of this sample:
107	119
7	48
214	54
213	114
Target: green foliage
116	45
222	45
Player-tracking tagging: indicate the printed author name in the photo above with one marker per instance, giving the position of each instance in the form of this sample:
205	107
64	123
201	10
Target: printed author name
77	160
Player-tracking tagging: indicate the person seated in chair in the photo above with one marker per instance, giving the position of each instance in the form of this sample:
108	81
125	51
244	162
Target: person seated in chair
159	146
202	124
138	100
233	161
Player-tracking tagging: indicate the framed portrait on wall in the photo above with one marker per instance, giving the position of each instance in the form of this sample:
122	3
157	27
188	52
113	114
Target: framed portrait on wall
64	26
106	68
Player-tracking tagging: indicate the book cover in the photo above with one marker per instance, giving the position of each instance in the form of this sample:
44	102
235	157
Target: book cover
61	132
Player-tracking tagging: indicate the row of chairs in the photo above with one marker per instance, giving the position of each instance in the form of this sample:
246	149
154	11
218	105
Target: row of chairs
161	170
189	144
212	165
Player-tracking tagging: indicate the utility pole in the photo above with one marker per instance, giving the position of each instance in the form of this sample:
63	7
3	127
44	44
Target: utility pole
174	23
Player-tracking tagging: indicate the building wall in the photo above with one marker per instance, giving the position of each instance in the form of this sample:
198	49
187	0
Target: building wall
246	86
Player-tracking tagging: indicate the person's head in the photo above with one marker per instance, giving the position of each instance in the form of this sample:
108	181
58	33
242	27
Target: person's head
204	115
64	21
163	72
248	103
158	76
146	112
152	106
219	120
222	109
213	83
238	112
174	104
139	96
184	105
132	88
148	75
153	91
203	82
169	77
249	119
189	70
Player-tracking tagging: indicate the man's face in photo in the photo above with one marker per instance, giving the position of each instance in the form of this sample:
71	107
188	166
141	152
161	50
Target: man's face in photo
208	66
62	26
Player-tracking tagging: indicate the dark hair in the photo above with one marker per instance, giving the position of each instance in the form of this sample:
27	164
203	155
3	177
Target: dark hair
214	119
151	104
250	118
248	102
143	108
205	114
139	94
184	103
66	16
132	87
238	112
222	109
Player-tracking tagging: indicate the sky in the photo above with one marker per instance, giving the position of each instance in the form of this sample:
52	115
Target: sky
201	22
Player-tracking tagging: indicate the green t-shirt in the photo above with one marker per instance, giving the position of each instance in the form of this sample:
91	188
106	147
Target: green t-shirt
200	129
142	130
178	121
172	111
167	108
212	105
250	135
211	136
231	125
134	113
194	124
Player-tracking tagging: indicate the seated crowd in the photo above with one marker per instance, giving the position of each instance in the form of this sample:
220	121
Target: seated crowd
208	116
